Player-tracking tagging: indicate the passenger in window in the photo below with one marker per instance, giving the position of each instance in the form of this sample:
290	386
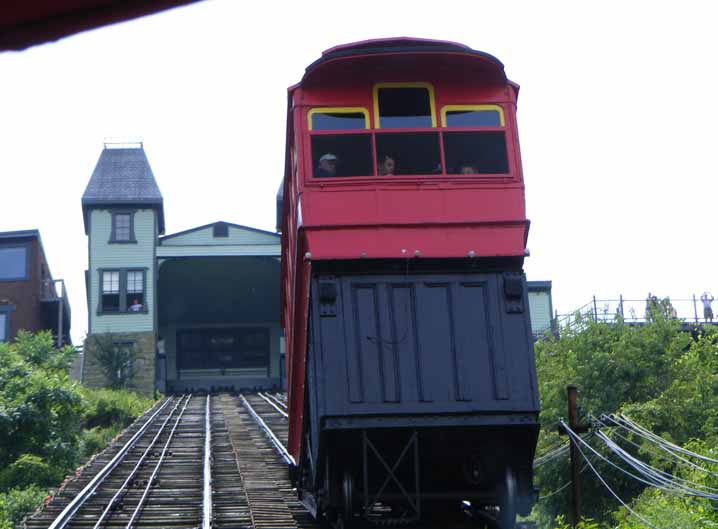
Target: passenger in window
327	166
468	168
136	306
386	165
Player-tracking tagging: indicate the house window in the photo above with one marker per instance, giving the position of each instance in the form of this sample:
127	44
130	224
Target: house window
13	263
135	297
122	291
123	227
110	291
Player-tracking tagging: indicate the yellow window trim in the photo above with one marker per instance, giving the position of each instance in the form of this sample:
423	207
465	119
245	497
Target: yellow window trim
449	108
428	86
339	110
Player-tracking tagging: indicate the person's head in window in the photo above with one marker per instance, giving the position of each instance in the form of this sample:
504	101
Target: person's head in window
136	305
468	168
327	165
386	165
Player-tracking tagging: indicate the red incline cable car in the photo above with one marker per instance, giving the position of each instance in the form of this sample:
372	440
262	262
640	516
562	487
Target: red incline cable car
410	365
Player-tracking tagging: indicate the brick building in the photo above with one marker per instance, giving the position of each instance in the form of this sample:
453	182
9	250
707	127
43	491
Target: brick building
30	298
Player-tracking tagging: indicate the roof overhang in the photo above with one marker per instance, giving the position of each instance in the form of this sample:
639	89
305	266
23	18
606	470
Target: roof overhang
32	22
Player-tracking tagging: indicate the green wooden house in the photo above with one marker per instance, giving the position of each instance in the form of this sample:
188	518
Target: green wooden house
197	309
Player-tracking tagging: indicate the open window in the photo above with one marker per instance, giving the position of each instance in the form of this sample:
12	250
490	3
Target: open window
135	295
122	291
342	155
413	153
346	153
474	151
404	106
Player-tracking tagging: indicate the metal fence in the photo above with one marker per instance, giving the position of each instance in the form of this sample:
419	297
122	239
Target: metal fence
689	310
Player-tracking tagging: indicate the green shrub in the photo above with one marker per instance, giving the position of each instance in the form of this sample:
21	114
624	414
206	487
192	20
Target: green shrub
116	408
96	439
27	470
18	503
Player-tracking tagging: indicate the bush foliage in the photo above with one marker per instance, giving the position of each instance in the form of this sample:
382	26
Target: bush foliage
662	375
48	423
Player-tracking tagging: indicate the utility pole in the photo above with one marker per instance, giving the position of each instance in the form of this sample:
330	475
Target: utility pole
574	454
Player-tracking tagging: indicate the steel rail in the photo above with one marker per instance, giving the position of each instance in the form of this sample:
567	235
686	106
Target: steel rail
150	481
273	405
207	496
275	398
269	433
141	460
69	511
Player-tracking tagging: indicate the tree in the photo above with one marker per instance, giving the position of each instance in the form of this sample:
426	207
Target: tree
116	359
655	372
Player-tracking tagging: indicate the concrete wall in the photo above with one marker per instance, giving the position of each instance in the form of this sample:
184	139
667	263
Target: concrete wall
144	364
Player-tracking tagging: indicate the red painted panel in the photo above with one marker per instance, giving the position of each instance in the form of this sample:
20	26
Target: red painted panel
418	204
504	239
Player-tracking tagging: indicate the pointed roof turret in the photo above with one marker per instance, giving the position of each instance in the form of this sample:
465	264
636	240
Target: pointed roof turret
123	177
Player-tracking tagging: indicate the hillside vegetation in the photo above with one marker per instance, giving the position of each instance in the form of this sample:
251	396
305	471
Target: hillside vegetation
49	424
661	377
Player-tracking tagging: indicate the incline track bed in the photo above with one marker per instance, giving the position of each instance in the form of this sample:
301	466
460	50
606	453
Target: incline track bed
250	486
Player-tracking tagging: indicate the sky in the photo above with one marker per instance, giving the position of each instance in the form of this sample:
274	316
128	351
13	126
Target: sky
617	122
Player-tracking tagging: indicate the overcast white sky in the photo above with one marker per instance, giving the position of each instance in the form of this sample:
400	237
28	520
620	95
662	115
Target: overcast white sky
617	116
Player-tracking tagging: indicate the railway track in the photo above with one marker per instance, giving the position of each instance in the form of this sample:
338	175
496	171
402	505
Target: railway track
189	462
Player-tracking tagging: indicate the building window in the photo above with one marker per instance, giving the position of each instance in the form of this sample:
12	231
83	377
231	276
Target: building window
123	227
220	230
5	311
135	297
122	291
13	263
4	324
110	291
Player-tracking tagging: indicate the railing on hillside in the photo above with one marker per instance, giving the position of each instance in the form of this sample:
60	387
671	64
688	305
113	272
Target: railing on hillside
54	290
635	311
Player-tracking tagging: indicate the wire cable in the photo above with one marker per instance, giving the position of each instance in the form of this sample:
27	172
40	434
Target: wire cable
603	481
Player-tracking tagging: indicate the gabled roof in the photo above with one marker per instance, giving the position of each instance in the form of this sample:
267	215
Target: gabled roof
271	235
123	177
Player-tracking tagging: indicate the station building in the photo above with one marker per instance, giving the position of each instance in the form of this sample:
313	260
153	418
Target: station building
199	309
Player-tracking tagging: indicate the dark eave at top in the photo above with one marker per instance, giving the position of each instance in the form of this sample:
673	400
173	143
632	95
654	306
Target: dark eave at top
30	22
401	45
21	234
